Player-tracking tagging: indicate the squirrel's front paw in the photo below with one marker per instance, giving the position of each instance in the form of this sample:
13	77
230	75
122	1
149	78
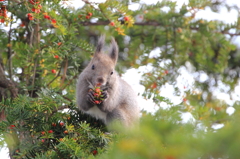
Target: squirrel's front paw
105	94
90	97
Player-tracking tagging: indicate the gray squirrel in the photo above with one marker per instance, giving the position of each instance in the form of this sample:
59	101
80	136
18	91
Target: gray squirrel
119	100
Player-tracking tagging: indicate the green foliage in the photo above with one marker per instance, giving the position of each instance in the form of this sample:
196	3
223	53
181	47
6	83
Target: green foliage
161	136
46	132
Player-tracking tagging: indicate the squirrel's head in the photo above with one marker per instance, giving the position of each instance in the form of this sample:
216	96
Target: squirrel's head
101	69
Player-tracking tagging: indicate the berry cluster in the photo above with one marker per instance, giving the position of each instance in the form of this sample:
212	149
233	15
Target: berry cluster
37	9
3	14
46	134
89	15
97	95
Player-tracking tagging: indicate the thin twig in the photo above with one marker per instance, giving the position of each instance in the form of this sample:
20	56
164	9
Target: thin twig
150	23
64	71
69	82
10	48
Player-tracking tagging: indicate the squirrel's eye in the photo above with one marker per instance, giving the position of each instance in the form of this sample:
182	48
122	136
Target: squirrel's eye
111	73
93	67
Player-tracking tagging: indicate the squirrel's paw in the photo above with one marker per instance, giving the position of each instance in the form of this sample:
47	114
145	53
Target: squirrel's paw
105	95
90	97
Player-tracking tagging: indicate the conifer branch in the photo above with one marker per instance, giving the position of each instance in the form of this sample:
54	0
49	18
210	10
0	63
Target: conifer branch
150	23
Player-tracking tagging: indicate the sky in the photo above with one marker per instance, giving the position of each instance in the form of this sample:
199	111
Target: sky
224	15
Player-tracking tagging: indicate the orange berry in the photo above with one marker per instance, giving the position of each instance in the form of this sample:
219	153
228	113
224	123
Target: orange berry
179	30
65	132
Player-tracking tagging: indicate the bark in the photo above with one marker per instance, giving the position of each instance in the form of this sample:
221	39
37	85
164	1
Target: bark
6	84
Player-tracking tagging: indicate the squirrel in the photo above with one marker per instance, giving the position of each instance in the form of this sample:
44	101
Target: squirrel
119	101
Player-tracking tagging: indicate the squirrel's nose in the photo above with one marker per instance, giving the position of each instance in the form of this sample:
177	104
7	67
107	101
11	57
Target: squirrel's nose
100	80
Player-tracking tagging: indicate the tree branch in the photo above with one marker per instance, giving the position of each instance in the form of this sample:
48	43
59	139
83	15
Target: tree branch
150	23
5	83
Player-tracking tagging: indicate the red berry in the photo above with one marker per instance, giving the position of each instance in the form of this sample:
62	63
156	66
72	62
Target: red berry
54	21
22	25
32	2
96	94
166	71
99	84
54	124
154	85
61	123
56	57
126	18
65	132
112	24
97	90
94	152
54	71
47	17
30	17
59	43
89	14
36	10
88	17
12	126
97	102
50	131
43	140
184	99
43	132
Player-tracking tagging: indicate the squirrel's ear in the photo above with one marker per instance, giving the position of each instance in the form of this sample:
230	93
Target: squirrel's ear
100	44
114	51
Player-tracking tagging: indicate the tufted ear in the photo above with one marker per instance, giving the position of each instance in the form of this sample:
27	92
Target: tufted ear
100	44
114	51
